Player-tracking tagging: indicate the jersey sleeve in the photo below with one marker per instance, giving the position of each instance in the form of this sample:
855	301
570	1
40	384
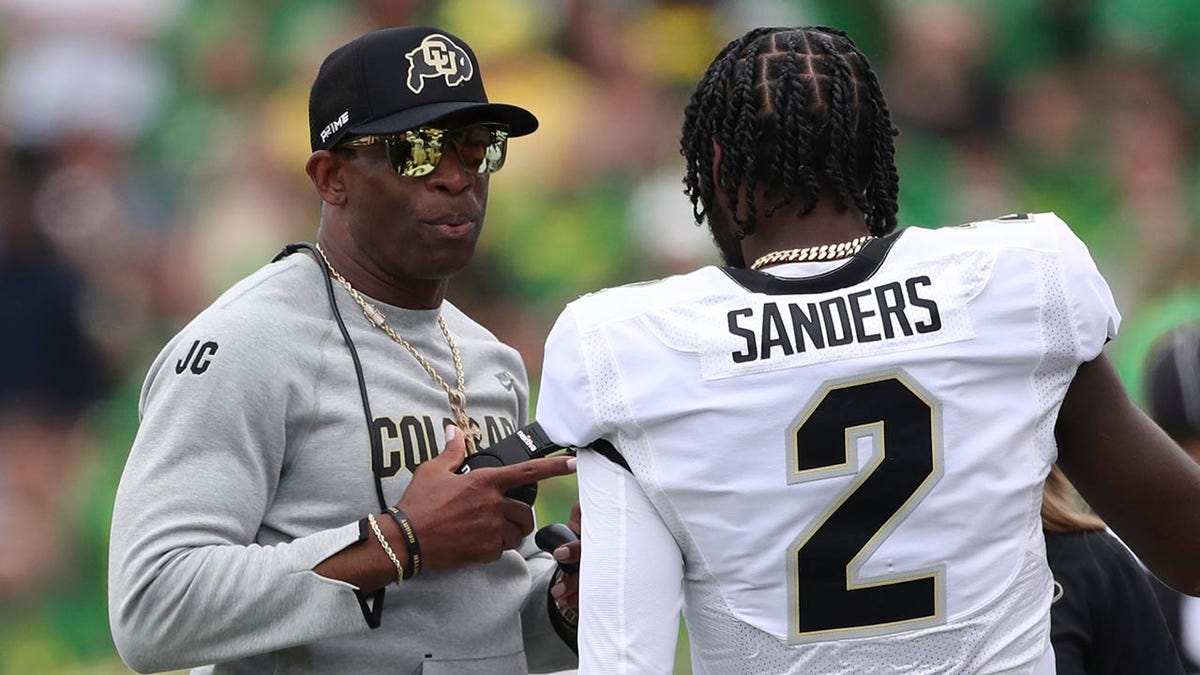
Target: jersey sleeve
565	405
1093	310
631	580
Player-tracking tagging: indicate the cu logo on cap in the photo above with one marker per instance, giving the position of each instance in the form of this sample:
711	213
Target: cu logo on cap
438	56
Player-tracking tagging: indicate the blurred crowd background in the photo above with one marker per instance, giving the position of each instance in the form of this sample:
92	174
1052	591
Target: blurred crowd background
152	152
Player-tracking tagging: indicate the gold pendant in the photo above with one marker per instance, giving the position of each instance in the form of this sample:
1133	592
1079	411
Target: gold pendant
472	436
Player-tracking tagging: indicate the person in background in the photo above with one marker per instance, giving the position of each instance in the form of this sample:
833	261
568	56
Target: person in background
54	371
259	520
1105	618
1172	386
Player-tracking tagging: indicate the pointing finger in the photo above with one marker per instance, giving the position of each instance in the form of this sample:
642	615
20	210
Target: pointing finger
532	471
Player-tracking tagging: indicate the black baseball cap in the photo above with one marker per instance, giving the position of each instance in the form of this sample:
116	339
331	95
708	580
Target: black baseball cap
395	79
1173	382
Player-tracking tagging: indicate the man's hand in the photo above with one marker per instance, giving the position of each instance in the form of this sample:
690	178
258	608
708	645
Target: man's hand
566	591
461	519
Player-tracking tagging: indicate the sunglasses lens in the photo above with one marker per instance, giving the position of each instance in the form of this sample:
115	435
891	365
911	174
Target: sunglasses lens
482	149
415	153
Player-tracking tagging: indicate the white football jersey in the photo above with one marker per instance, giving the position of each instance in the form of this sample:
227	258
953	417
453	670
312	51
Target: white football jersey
836	467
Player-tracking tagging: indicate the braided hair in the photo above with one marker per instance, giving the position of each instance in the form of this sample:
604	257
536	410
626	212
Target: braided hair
799	112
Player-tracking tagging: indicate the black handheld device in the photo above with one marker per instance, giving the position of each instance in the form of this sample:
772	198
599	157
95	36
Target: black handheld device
528	442
551	537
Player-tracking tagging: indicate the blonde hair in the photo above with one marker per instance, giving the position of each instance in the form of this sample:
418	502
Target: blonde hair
1062	509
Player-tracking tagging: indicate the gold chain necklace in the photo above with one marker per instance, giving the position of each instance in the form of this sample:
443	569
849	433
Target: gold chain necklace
821	252
458	396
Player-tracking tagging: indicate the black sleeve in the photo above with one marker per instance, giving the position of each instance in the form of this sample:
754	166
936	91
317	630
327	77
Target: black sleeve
1107	621
1172	603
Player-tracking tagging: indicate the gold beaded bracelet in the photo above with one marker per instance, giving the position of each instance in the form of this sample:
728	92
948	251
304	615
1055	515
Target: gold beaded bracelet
386	548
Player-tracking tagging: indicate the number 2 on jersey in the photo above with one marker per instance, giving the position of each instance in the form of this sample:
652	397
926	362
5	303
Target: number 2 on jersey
829	597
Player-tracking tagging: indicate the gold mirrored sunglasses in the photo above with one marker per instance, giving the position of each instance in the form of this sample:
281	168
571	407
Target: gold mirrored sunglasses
414	153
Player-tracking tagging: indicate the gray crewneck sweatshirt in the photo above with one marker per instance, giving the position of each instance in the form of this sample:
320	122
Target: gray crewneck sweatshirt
252	464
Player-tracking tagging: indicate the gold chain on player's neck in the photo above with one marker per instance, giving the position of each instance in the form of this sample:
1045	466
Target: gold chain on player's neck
820	252
458	396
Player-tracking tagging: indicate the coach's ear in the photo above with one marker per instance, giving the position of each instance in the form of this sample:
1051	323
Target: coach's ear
326	171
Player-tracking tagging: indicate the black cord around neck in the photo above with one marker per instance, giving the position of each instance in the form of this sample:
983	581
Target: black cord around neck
376	448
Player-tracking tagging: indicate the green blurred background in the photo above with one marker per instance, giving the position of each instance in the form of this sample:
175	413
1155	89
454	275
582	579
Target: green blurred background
152	153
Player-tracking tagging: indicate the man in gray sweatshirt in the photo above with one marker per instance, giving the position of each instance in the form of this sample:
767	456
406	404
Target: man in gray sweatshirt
287	467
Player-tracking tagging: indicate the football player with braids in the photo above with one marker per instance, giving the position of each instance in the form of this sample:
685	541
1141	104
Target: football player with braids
829	454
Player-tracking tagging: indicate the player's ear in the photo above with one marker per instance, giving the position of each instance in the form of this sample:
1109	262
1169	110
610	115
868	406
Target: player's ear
327	172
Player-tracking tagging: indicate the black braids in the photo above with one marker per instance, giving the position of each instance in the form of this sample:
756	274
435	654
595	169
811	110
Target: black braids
864	135
783	162
807	126
700	121
696	183
794	121
740	136
865	139
810	181
878	201
841	124
752	125
832	32
748	132
739	89
884	184
779	102
802	124
830	138
703	116
884	191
